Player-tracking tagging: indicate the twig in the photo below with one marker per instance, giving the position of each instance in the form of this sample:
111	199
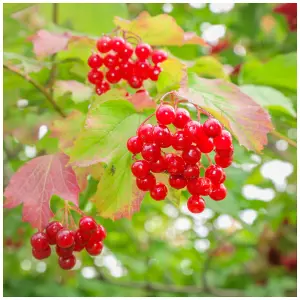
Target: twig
283	137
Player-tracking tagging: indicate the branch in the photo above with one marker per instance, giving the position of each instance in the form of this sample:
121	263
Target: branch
36	85
283	137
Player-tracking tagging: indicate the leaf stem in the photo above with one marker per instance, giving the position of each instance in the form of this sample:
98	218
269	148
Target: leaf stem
148	118
208	158
281	136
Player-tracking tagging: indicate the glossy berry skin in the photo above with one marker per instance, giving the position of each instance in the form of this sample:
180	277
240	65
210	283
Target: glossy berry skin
175	164
127	52
223	162
215	174
218	192
95	61
113	75
206	145
191	155
182	117
162	136
199	186
135	82
95	76
159	56
146	183
196	204
102	87
111	60
51	230
104	44
134	145
193	129
118	44
159	192
39	241
225	152
151	152
41	254
65	238
223	141
127	68
87	224
99	235
177	181
145	133
64	252
212	127
67	263
191	171
165	114
159	166
140	168
143	51
180	141
142	69
154	73
80	239
94	248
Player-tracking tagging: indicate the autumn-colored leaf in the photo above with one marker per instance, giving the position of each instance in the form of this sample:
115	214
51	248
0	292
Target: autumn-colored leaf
247	120
36	182
158	30
141	100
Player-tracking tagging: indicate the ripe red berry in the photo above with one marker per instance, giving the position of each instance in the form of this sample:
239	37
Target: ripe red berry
159	192
94	248
218	192
104	44
175	164
64	252
162	136
111	60
95	76
143	51
145	133
41	254
99	235
142	69
225	152
95	61
39	241
127	68
205	186
223	141
193	130
191	171
212	127
87	224
177	181
196	204
199	186
67	263
102	88
146	183
134	145
140	168
191	155
135	82
206	145
113	75
51	230
215	174
80	239
159	56
223	162
127	52
182	117
165	114
159	166
65	238
180	140
154	73
151	152
118	44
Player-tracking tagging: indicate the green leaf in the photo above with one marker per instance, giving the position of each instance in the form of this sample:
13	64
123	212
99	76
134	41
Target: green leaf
269	98
10	8
280	71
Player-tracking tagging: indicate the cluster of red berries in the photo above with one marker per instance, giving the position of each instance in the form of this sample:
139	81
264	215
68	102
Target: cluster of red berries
117	64
190	140
90	236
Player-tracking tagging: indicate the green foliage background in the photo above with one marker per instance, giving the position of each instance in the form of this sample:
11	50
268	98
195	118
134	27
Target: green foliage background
164	251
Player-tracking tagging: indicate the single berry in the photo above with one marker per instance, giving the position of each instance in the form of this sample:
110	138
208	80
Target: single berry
206	145
159	56
223	141
145	133
140	168
225	152
154	73
151	152
104	44
146	183
67	263
113	75
95	61
127	68
194	186
159	166
175	164
180	140
162	136
78	248
142	69
196	204
94	248
51	230
177	181
215	174
191	171
95	76
99	235
143	51
212	127
191	155
193	129
127	52
39	241
65	238
165	114
223	162
118	44
41	254
64	252
87	224
182	117
111	60
218	192
102	88
135	82
159	192
134	145
205	186
80	239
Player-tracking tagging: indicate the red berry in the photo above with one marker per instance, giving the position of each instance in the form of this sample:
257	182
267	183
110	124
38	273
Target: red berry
218	192
162	136
41	254
177	181
104	44
165	114
215	174
118	44
39	241
142	69
145	133
64	252
223	141
159	192
127	52
205	186
134	145
193	130
191	155
95	76
102	88
151	152
111	60
127	69
212	127
65	238
182	117
143	51
159	166
223	162
78	248
135	82
191	171
80	240
175	164
87	224
67	263
146	183
113	75
140	168
99	235
225	152
51	230
206	145
199	186
196	204
180	140
154	73
159	56
95	61
94	248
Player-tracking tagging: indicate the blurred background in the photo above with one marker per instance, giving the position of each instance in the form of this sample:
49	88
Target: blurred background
244	246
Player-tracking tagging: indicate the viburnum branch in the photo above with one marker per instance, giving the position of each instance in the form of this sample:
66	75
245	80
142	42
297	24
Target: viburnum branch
281	136
148	118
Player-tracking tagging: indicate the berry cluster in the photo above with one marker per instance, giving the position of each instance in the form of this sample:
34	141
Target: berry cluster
189	141
89	236
120	60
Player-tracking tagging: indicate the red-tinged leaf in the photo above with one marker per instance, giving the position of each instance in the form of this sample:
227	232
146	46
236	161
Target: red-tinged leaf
247	120
141	100
158	30
36	182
